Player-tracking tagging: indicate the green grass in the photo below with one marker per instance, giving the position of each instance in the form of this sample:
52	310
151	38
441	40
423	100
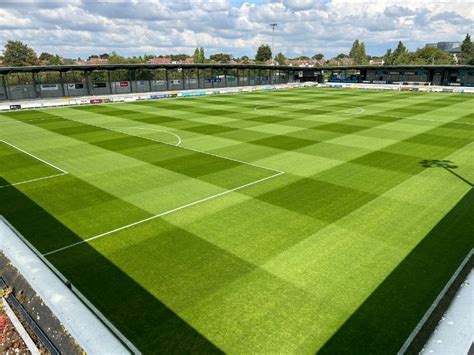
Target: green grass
18	167
343	253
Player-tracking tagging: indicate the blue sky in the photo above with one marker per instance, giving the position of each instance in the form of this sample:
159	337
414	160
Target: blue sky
77	28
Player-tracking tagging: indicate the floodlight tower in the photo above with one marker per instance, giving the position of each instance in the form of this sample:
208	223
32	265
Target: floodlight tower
273	25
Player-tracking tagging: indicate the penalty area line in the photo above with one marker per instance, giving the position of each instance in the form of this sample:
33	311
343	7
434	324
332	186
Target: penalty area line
62	171
33	156
33	180
162	214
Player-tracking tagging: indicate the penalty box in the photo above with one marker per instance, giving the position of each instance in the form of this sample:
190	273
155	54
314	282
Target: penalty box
237	179
19	166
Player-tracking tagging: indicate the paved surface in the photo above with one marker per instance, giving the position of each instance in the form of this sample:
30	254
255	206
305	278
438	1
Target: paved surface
84	326
455	333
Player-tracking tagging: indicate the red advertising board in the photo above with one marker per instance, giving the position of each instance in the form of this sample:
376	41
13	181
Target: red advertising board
124	84
96	101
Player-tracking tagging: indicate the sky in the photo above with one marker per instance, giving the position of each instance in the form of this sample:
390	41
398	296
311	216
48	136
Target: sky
78	28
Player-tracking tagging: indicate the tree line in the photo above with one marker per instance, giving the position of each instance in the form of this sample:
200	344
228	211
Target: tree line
17	53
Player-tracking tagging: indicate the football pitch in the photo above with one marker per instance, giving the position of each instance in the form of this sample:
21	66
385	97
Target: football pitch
290	221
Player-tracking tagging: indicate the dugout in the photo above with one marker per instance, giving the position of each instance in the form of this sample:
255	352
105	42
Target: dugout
310	74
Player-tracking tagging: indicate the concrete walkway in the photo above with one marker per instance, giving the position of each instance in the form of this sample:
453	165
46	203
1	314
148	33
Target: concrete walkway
83	325
455	332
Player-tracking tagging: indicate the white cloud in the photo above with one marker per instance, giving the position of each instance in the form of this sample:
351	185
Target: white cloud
132	27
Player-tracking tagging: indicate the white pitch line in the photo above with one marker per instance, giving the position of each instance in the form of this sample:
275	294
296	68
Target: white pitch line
35	157
29	120
427	119
411	118
424	119
160	130
361	111
163	213
33	180
277	173
433	306
177	146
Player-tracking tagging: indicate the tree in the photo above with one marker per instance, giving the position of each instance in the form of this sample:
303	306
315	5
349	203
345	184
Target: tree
421	56
400	50
354	49
388	57
360	57
50	59
264	53
280	59
401	55
178	57
431	56
467	51
318	56
134	60
17	53
147	57
198	56
55	60
341	56
220	57
115	58
44	56
358	53
202	56
245	59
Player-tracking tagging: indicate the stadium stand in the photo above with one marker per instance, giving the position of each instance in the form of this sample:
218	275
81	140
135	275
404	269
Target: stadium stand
23	83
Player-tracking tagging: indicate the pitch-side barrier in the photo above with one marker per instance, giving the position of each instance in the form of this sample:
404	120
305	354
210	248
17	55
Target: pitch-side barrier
104	99
402	86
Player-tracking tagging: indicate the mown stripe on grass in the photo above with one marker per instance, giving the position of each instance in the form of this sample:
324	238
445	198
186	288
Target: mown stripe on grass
189	163
319	198
78	204
405	295
16	166
147	322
